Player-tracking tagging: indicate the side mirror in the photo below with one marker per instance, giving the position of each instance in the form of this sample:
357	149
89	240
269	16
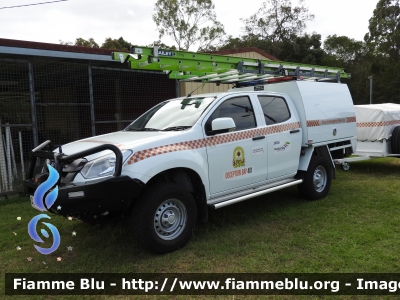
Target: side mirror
223	124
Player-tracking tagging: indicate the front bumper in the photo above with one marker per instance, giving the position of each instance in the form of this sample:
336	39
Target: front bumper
108	195
101	196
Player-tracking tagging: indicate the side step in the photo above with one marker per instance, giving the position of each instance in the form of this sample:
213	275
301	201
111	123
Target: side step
255	194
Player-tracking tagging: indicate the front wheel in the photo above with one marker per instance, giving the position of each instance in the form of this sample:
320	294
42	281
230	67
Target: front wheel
164	217
317	179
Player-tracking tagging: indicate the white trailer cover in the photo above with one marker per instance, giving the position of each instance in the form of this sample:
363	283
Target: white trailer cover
375	122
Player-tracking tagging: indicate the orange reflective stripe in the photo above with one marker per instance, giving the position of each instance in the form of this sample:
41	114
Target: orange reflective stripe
378	124
315	123
210	141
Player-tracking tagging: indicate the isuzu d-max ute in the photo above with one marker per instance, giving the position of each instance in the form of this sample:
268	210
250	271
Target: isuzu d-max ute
186	155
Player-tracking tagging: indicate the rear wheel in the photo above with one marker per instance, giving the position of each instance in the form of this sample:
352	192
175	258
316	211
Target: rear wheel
345	166
164	217
317	179
395	143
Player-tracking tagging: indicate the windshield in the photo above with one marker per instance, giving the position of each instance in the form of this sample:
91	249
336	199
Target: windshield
179	114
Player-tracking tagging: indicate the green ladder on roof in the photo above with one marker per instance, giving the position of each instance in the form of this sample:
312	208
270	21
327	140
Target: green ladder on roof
203	67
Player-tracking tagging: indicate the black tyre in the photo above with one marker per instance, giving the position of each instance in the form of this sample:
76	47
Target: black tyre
317	179
395	143
164	217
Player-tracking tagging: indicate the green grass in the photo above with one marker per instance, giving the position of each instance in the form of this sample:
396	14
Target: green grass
356	228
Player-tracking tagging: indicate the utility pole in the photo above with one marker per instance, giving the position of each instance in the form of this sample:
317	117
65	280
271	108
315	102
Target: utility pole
370	89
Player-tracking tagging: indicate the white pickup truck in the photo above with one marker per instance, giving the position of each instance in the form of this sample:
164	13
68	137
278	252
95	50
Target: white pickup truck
189	154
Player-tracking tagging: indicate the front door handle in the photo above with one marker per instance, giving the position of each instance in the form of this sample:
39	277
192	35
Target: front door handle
294	130
258	137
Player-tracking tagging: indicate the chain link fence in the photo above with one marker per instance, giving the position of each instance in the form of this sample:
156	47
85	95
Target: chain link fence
65	101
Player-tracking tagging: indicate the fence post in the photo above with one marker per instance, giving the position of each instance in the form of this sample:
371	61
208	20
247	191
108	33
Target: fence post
13	162
22	155
91	100
8	155
3	164
33	106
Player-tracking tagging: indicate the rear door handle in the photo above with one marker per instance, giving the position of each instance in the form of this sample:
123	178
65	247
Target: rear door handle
294	130
258	137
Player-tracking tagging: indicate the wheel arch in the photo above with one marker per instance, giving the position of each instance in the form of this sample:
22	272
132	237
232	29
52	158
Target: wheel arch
321	151
316	180
189	180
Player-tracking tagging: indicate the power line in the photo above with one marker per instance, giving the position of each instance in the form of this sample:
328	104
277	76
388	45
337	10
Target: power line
32	4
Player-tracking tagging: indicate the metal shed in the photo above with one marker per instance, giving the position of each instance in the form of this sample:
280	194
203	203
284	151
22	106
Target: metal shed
64	93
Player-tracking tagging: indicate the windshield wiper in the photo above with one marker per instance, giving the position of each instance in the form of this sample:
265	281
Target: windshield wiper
176	128
143	129
150	129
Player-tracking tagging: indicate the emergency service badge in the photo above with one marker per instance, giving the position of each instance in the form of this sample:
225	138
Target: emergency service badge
238	157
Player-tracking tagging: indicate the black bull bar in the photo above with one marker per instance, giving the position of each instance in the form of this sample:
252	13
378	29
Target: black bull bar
61	158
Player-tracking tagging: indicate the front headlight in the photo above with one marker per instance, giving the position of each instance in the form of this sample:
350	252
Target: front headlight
103	166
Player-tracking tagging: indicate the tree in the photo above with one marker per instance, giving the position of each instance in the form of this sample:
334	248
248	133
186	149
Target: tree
304	49
348	53
86	43
109	43
161	45
342	48
301	49
277	20
188	22
354	57
65	43
114	44
384	29
383	42
244	41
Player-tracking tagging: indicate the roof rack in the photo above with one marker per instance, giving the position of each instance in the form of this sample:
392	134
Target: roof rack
203	67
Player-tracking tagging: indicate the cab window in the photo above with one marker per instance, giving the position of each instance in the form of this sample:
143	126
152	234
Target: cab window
239	109
275	109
